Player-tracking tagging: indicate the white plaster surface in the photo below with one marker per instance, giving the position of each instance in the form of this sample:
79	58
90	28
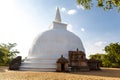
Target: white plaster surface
49	46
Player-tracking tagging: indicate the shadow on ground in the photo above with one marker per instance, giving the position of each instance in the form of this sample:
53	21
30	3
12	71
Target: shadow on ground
104	72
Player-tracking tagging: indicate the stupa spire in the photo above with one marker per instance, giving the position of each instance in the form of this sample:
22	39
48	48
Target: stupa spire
57	17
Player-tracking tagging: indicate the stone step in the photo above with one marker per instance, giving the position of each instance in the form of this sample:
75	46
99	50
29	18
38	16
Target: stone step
38	69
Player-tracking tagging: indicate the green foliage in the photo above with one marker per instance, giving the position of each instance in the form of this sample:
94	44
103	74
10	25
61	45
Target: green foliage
105	4
97	56
113	52
85	3
112	56
106	61
7	53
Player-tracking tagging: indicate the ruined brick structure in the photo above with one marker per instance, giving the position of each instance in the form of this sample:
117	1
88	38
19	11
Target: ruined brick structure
77	62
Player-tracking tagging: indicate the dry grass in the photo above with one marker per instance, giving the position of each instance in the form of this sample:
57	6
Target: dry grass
104	74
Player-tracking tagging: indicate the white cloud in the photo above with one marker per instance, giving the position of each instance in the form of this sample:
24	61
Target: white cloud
82	29
63	9
99	43
91	49
71	12
80	7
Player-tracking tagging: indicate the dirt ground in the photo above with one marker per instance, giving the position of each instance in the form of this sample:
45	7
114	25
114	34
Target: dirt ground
104	74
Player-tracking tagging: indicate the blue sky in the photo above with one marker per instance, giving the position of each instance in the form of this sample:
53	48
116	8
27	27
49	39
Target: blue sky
22	20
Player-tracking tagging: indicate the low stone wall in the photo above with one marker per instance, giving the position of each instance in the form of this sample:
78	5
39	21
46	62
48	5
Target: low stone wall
15	63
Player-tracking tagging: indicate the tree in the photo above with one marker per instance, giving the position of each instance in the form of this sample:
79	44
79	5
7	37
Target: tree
112	56
7	53
3	55
113	53
97	56
105	4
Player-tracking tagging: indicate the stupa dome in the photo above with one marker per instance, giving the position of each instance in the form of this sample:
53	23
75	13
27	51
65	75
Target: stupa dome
50	45
54	42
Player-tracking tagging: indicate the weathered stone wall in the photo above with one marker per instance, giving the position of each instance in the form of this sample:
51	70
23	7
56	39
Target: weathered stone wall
15	63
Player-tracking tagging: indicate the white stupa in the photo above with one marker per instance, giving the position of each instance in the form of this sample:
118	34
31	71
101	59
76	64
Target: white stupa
50	45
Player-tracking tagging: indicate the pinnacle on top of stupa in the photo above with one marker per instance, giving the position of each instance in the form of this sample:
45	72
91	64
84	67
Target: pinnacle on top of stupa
57	17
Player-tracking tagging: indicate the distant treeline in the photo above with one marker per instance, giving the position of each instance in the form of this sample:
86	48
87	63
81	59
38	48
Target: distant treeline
111	58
